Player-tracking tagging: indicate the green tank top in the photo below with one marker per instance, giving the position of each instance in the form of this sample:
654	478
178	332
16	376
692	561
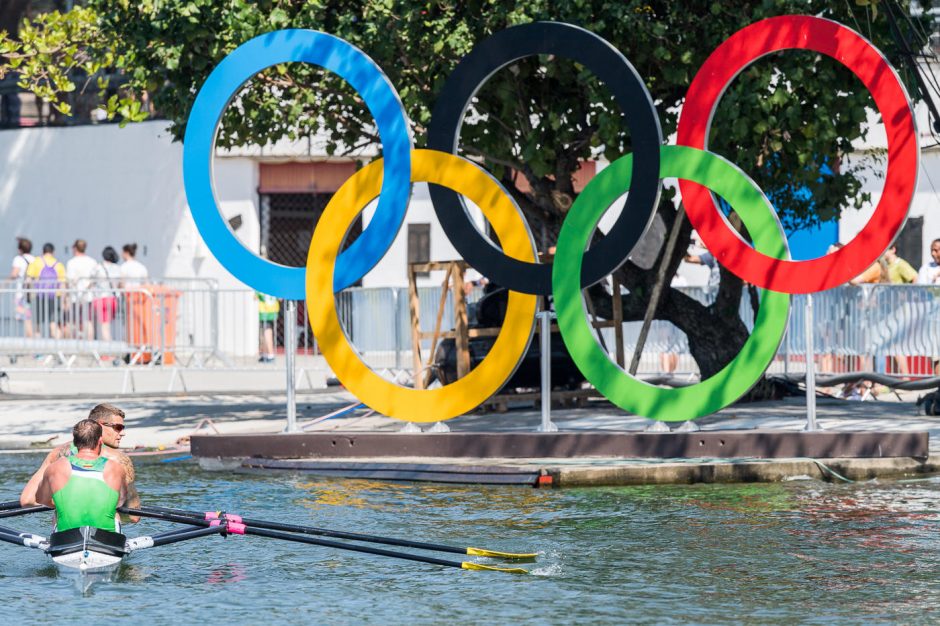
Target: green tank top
86	500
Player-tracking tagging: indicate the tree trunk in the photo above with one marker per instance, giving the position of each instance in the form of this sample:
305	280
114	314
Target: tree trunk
715	332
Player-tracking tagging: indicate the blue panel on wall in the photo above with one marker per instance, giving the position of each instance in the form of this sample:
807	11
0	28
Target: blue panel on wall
811	243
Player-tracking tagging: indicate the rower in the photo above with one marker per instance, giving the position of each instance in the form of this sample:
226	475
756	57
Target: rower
85	488
111	419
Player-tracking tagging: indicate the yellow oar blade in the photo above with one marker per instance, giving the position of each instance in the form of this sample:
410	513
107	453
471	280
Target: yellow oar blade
490	568
509	556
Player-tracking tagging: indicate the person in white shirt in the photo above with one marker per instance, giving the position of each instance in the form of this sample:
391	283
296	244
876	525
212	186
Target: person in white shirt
133	271
82	273
18	273
929	273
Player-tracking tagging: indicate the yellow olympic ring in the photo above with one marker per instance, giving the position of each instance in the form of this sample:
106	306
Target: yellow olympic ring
386	397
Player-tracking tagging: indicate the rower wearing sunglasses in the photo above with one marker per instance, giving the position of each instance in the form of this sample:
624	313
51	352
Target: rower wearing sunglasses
85	488
111	420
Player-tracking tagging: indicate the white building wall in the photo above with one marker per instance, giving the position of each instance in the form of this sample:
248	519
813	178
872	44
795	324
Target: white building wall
111	186
392	270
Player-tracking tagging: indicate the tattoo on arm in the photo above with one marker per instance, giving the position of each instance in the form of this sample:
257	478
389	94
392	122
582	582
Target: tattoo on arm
132	499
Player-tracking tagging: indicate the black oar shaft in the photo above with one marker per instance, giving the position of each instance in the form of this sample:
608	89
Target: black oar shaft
192	520
15	537
273	534
12	538
165	539
325	532
24	510
12	504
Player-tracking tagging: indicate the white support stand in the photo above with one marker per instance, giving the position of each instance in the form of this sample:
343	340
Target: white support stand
290	350
545	356
810	368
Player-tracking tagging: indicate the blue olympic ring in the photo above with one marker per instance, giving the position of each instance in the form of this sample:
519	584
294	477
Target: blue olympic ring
351	64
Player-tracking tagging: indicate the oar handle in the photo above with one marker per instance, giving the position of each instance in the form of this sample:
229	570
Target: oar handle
24	510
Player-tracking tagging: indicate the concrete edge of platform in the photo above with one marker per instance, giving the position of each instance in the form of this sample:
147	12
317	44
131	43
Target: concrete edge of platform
594	472
567	445
741	471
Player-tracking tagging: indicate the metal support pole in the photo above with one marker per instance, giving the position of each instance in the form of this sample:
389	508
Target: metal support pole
545	355
290	349
398	344
161	319
214	316
810	367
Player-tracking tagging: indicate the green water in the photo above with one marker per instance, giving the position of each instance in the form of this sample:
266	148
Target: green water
804	552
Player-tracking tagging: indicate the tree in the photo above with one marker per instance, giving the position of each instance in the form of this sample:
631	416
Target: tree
781	120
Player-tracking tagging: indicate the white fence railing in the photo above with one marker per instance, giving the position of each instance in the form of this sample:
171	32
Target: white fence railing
891	329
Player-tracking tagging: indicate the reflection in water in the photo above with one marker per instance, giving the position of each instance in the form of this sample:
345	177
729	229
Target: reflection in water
756	553
228	573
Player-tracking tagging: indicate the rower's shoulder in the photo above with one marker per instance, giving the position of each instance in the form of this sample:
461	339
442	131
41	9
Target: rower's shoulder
121	459
58	466
59	452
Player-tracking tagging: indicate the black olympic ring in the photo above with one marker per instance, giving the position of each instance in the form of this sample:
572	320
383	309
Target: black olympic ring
630	93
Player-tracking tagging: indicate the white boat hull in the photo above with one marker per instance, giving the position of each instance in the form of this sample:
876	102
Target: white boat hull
88	561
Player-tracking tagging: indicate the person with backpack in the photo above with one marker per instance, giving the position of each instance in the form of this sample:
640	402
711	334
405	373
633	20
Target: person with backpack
45	277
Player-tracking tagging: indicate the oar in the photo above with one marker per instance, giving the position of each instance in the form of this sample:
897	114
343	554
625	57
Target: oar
338	534
273	534
174	536
24	510
12	504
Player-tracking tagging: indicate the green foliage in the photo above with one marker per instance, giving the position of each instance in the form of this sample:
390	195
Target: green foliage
54	49
780	120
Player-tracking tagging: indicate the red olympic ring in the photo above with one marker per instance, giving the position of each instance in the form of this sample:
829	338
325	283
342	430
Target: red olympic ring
866	62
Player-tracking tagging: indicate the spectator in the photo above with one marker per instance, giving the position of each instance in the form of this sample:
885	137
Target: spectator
133	271
83	273
105	304
900	271
20	262
46	277
268	309
877	272
708	260
929	273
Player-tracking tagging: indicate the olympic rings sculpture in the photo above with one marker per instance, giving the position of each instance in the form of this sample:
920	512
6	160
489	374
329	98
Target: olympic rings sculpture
576	266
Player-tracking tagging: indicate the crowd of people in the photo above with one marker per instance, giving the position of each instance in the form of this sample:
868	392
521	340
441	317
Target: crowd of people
889	268
78	298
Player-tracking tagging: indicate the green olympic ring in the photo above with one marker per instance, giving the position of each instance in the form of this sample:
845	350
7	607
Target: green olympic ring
628	392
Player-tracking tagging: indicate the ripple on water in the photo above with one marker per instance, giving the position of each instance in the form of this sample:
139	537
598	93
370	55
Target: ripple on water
803	551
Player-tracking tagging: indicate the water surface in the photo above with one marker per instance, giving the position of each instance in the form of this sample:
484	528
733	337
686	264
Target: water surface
776	553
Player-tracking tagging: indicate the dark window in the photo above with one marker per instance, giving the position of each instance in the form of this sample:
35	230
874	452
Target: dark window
287	223
910	241
419	245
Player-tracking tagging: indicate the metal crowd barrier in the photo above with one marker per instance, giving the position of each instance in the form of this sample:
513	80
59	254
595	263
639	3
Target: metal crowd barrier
58	326
192	323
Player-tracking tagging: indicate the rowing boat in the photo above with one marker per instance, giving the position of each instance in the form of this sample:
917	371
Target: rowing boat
87	549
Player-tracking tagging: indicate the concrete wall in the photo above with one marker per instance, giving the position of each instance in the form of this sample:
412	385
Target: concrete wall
112	186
